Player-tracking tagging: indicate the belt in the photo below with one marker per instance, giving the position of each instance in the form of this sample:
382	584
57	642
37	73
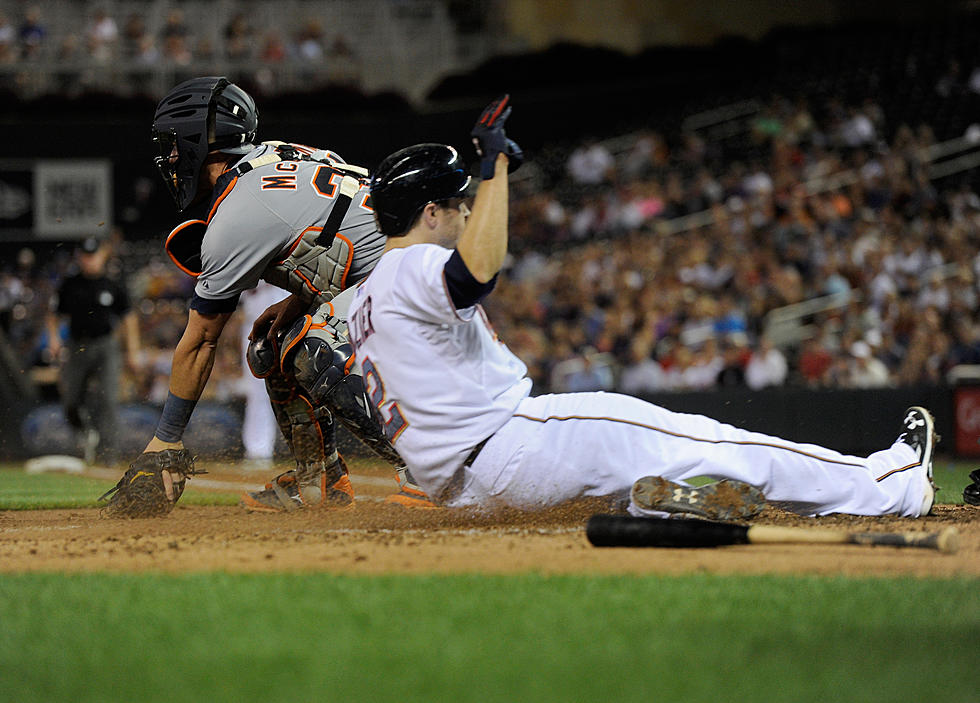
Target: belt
471	457
455	485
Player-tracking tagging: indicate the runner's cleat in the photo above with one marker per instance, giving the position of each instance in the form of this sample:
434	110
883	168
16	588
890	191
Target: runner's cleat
410	494
723	500
919	432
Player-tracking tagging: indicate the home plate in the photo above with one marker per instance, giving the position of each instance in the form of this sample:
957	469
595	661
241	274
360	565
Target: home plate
54	463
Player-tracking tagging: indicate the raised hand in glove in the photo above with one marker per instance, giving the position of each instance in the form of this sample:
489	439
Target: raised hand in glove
145	490
490	139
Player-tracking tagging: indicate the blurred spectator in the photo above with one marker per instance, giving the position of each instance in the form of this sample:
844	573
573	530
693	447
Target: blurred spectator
239	38
101	36
866	370
735	355
133	34
641	374
766	367
343	65
175	26
176	51
7	40
175	36
309	41
32	33
590	164
273	48
148	53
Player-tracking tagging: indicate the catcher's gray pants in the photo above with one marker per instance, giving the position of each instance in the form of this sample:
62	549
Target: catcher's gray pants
90	383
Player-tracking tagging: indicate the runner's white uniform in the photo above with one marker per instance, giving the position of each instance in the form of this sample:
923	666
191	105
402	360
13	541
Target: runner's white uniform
442	383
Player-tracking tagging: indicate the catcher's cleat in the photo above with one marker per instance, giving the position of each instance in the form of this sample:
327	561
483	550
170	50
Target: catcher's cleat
285	493
723	500
919	432
410	494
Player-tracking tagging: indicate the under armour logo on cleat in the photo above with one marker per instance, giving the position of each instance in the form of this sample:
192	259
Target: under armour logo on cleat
912	420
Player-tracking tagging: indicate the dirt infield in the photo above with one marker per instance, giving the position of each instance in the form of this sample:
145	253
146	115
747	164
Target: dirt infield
373	538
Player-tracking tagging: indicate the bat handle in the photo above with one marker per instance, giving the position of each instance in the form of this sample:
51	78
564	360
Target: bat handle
946	541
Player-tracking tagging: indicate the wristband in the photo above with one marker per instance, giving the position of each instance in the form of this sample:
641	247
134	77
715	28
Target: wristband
176	414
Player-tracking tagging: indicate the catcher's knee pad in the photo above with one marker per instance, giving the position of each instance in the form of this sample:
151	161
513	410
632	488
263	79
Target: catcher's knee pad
262	356
317	352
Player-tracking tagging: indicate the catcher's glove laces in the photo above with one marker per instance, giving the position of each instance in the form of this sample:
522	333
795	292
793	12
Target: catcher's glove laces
141	491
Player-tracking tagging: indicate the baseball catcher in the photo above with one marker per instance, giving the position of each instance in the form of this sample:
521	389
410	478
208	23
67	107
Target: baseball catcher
299	218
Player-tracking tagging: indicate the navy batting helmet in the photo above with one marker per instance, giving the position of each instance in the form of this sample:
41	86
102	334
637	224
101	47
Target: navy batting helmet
197	117
411	178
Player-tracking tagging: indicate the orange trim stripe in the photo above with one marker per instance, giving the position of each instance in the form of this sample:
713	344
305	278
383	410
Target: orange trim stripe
308	282
350	258
166	246
898	470
684	436
296	243
311	413
221	197
307	321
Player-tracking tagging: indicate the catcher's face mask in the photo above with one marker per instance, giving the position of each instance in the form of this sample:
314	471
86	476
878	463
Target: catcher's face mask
166	160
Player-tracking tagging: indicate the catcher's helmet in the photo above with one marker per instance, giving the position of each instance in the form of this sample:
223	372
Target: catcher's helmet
197	117
411	178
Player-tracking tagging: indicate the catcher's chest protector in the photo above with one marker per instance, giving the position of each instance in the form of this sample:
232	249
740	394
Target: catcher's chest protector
312	271
319	261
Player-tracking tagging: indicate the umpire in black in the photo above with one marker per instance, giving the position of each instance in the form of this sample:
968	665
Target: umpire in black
97	307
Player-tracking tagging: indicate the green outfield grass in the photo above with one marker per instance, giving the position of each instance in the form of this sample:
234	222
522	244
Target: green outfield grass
22	491
313	637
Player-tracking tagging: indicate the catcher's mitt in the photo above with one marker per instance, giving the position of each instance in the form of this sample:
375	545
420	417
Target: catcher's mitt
141	491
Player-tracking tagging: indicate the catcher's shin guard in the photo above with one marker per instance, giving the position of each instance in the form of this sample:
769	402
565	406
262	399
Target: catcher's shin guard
317	350
320	478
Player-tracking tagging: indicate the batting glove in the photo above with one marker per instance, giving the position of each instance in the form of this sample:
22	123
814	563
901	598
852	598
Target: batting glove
489	138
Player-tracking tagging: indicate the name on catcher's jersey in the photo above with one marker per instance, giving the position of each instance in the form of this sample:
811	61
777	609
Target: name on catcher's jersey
439	377
261	215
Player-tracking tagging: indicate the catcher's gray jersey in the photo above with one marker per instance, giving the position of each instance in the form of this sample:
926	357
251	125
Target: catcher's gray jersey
259	217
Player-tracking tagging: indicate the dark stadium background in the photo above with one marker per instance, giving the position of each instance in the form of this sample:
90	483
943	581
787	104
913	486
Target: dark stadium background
565	92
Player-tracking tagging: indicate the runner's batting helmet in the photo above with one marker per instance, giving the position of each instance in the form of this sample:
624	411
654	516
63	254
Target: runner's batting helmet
197	117
411	178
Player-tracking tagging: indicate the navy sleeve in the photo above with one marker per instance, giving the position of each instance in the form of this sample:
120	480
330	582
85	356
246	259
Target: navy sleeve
465	290
209	306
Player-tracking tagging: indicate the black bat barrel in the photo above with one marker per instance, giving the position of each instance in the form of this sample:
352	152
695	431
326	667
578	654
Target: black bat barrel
628	531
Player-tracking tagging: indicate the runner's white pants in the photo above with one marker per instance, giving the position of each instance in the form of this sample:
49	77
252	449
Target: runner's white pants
565	446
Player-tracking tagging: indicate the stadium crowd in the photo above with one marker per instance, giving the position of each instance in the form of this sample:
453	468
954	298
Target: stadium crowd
607	288
82	54
680	310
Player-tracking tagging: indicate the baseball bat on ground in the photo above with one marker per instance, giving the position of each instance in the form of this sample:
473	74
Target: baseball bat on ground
628	531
